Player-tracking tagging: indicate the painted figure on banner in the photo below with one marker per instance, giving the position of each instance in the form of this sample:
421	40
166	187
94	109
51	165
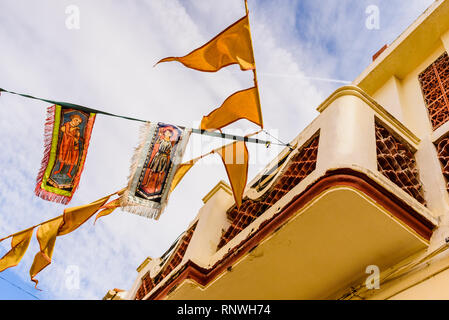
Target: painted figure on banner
67	134
70	148
158	165
155	161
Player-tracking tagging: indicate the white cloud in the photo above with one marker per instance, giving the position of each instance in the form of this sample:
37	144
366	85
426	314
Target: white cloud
108	64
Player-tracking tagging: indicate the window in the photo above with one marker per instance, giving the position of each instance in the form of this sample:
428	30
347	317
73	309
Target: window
435	88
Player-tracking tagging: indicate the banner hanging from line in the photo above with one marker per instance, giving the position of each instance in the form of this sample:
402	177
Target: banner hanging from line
153	168
156	160
66	141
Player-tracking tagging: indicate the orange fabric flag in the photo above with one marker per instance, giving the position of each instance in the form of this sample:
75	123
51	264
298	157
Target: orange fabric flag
243	104
46	236
68	222
76	216
108	208
19	245
48	231
235	158
231	46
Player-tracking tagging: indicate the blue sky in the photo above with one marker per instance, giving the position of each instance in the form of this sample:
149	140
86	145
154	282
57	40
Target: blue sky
108	64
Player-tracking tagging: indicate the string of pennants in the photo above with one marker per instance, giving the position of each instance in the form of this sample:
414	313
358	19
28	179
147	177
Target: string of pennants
156	167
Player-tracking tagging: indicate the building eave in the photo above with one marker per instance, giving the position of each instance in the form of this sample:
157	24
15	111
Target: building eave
408	50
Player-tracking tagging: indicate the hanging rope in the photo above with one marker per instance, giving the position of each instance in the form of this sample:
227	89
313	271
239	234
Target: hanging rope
280	142
196	131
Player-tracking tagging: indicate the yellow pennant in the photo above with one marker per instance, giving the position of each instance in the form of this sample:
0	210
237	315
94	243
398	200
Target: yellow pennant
243	104
48	231
76	216
19	245
46	236
108	209
235	159
110	206
68	222
231	46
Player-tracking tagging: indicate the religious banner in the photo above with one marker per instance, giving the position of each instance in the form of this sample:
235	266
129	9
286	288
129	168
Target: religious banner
67	135
153	168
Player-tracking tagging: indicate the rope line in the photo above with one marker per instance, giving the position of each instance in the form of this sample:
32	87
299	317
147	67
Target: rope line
193	130
18	287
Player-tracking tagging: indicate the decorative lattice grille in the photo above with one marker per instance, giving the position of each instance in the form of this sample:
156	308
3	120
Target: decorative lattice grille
397	162
300	167
435	87
443	156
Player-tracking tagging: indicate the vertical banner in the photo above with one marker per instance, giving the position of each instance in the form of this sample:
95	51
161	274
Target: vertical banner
67	135
153	167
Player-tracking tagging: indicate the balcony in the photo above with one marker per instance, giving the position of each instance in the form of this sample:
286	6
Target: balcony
349	195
